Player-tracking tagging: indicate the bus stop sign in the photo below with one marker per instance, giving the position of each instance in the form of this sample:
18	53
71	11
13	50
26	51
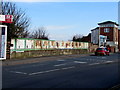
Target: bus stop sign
6	18
3	41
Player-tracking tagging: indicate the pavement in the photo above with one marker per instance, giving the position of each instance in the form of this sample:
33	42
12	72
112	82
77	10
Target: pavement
39	59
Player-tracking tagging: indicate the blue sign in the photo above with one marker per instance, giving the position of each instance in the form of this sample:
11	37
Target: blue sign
3	37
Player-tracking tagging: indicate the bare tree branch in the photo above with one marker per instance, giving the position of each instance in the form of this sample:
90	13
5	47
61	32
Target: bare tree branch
77	37
19	27
40	33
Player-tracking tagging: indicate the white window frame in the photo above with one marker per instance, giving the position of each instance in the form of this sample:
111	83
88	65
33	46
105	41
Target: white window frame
106	30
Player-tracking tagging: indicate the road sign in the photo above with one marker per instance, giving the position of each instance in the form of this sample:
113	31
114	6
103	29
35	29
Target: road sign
6	18
2	17
3	41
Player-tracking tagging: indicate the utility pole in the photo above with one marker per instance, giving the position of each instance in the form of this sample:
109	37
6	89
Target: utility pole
0	47
0	7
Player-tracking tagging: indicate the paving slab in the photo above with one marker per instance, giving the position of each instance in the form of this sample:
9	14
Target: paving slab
39	59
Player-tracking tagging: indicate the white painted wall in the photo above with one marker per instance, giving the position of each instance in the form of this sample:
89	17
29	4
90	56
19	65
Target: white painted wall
29	44
20	44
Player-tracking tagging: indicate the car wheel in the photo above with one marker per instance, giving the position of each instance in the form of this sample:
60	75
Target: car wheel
95	54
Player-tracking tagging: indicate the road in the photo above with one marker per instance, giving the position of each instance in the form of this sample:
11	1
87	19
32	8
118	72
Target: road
74	72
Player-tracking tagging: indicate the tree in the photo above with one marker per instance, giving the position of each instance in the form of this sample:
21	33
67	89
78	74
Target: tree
40	33
77	37
19	27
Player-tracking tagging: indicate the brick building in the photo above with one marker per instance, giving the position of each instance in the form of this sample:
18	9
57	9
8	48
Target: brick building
108	29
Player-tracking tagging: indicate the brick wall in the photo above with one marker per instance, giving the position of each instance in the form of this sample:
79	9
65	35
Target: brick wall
92	47
110	34
38	53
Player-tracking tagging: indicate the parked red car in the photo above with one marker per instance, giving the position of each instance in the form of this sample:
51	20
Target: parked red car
102	51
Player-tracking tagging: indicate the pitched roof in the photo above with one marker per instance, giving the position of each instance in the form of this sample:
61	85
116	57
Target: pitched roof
95	28
106	22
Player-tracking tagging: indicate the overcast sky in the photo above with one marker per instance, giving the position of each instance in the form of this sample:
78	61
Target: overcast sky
62	20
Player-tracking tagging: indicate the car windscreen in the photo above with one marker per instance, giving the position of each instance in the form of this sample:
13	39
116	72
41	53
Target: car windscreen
100	49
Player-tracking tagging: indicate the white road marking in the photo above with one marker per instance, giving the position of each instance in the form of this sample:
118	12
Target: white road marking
51	70
68	67
94	64
108	62
44	72
60	60
18	72
103	57
79	62
59	65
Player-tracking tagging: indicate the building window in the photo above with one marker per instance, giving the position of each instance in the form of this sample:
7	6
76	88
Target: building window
106	30
108	38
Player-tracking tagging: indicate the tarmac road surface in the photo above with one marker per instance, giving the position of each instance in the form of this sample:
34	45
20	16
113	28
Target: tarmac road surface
73	72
